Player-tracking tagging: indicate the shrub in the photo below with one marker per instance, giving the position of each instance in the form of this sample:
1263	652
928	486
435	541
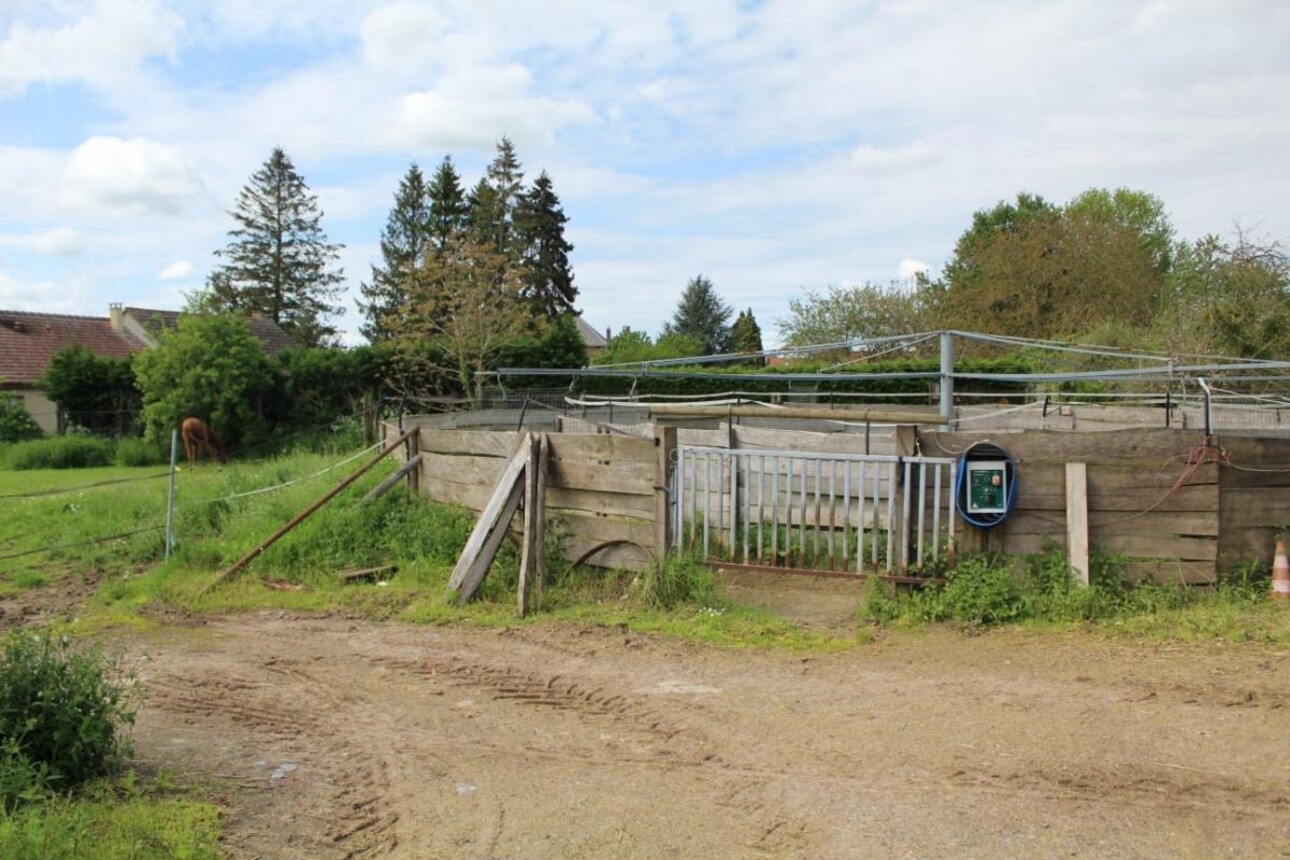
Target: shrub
139	452
66	452
16	424
981	590
62	714
675	580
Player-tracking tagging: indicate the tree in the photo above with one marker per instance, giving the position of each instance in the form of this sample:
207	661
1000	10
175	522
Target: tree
1225	298
409	230
851	313
96	393
492	202
626	347
543	251
279	262
745	334
702	314
1039	271
211	367
467	307
447	205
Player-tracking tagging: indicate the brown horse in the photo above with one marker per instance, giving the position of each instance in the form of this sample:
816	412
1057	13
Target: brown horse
199	437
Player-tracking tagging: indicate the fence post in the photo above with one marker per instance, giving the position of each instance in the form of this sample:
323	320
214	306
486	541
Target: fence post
170	494
664	449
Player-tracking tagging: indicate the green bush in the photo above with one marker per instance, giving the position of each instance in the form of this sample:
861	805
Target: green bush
140	452
675	580
16	424
62	715
61	452
982	591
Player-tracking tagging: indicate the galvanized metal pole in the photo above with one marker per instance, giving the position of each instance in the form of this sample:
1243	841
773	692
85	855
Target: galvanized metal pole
947	378
170	495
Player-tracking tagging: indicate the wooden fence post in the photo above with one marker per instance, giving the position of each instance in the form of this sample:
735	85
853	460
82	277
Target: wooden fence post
1077	520
665	450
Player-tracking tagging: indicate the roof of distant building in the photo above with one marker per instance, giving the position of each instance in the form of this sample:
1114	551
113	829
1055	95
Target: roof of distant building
29	341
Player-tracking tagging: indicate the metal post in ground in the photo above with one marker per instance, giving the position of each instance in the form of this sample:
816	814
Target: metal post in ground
947	379
170	495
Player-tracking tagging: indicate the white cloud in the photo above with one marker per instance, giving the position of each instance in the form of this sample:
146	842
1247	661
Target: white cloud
107	43
869	159
177	269
136	175
56	242
475	106
401	36
910	268
42	295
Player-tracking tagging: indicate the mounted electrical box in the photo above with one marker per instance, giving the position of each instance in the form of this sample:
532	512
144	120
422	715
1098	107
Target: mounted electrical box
985	485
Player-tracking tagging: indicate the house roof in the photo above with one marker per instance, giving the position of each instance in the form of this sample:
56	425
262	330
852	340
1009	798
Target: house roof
590	337
28	341
275	340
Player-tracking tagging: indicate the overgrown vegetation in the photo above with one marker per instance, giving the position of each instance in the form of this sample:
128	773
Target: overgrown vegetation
986	590
64	717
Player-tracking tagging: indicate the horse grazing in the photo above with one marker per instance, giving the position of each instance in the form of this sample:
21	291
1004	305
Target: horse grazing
199	437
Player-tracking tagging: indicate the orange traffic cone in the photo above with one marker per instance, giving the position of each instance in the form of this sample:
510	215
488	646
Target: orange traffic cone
1281	573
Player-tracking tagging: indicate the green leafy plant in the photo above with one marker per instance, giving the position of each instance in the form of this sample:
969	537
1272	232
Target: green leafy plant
61	452
63	716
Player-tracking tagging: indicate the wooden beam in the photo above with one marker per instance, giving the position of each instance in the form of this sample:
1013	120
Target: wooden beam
1077	520
303	515
491	526
533	522
384	487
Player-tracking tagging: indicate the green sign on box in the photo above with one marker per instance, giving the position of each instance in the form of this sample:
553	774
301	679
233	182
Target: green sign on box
987	486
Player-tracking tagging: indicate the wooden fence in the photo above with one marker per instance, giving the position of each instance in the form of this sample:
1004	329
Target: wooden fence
1179	507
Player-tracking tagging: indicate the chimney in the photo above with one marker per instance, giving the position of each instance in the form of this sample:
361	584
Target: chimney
609	333
115	315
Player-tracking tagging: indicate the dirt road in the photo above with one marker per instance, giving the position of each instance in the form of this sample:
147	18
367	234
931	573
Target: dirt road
331	738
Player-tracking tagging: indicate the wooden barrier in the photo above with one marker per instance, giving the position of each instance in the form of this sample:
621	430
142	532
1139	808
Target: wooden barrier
1179	507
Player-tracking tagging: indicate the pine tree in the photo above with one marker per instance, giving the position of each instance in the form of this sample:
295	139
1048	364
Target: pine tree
447	205
701	314
279	262
544	253
407	233
745	334
493	200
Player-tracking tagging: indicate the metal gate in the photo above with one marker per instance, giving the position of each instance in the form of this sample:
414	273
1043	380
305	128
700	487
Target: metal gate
849	513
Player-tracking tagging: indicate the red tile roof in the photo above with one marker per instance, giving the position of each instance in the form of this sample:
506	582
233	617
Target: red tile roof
275	340
28	341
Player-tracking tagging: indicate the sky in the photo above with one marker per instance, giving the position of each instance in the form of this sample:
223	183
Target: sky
773	147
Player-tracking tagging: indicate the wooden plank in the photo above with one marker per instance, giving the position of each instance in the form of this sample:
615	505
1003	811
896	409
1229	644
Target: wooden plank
629	478
462	468
702	438
1077	520
595	502
1152	446
1189	524
1151	546
627	557
543	465
1172	571
484	443
598	448
533	527
1239	546
664	453
473	496
474	560
754	438
1256	507
348	576
610	528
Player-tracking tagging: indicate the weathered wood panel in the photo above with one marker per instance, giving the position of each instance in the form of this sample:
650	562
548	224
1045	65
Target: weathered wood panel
462	468
595	448
588	501
606	528
1158	446
627	478
483	443
625	556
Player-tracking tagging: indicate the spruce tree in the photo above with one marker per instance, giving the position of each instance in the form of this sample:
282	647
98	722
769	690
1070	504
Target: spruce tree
543	251
493	201
701	314
745	334
279	262
407	233
447	205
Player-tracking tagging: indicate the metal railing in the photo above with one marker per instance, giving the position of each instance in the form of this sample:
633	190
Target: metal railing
808	511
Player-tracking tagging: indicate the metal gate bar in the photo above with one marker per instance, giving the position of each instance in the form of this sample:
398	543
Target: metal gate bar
807	520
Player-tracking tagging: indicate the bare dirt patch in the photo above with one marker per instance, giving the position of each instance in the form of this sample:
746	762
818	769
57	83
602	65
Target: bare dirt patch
330	738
